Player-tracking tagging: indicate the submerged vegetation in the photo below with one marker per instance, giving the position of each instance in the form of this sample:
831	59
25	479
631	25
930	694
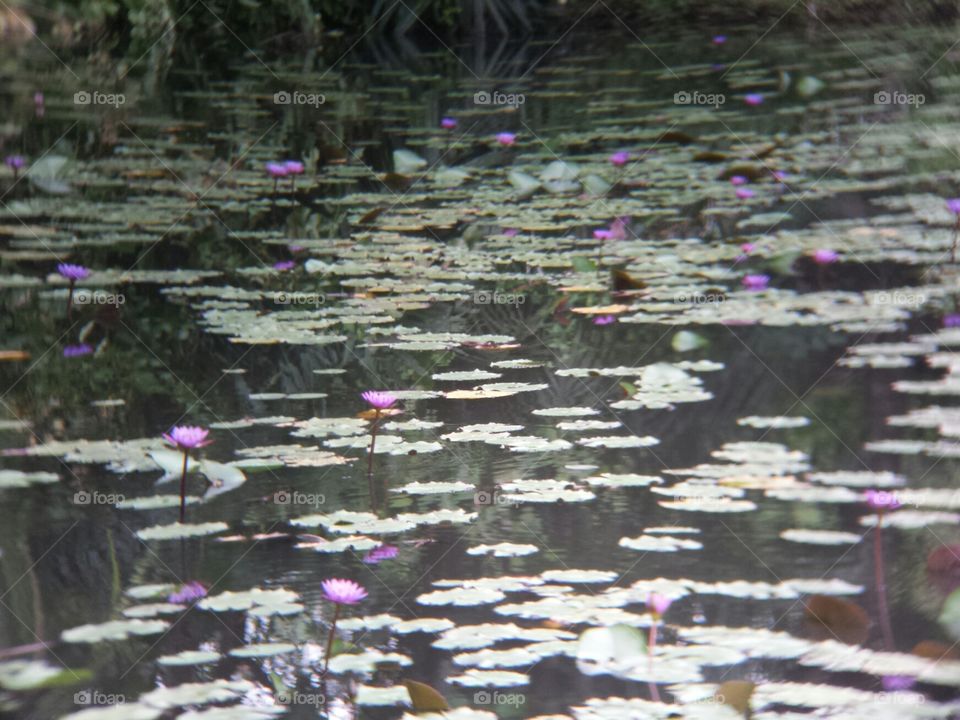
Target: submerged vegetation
661	332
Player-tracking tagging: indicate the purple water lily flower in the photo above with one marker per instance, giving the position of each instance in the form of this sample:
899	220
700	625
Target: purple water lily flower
283	265
755	283
276	169
780	175
881	500
343	592
719	39
619	159
72	351
825	256
658	604
738	180
293	167
745	193
506	138
381	553
448	123
602	234
188	593
893	683
951	320
753	99
604	320
618	228
73	272
510	232
748	247
378	399
187	437
15	161
953	205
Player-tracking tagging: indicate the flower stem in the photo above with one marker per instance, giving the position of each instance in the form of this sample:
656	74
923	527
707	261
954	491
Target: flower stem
70	299
183	486
882	608
333	629
953	247
373	442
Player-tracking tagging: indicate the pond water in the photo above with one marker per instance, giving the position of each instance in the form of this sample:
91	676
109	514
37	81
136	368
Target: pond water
700	401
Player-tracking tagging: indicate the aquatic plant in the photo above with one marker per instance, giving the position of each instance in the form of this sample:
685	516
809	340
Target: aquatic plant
293	168
340	592
188	592
738	180
15	163
604	320
186	438
72	273
379	401
381	553
619	159
72	351
284	265
506	138
825	256
276	170
753	99
744	193
719	39
755	283
881	501
448	123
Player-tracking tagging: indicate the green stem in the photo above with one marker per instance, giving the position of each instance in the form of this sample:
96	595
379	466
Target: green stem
373	442
70	300
333	629
183	486
882	608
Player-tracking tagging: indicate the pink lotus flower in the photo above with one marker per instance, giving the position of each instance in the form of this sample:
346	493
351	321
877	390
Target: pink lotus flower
381	553
658	604
745	193
753	99
824	256
343	592
188	593
755	283
293	167
187	437
73	272
506	138
276	170
448	123
880	500
604	320
379	400
954	206
738	180
619	158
